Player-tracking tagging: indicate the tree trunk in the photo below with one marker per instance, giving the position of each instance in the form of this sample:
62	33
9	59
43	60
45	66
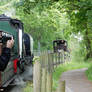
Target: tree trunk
88	45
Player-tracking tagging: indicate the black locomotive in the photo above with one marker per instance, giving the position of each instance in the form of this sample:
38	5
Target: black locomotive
59	45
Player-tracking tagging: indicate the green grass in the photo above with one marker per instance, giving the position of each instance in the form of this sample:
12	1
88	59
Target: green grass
89	73
66	67
28	88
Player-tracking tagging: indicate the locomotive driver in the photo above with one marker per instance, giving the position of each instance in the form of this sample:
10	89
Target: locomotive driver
6	54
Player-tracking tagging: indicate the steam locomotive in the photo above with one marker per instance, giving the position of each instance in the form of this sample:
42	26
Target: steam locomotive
59	45
22	51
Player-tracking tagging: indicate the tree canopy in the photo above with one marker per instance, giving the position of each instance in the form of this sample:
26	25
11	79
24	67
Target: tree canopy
48	20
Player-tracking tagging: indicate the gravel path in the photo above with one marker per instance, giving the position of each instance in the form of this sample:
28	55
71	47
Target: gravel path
76	81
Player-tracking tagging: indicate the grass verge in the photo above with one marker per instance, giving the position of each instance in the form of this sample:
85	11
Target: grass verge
89	73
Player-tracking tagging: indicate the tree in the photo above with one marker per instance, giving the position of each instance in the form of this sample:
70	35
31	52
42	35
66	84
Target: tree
44	22
80	13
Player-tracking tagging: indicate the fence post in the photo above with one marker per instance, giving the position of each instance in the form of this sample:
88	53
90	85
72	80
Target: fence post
49	75
49	82
37	77
43	86
44	74
61	87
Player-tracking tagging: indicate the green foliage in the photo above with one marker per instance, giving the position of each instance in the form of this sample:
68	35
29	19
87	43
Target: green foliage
49	21
7	6
28	87
77	48
79	14
89	71
44	22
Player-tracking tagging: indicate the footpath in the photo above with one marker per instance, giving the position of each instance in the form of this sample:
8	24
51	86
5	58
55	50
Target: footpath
76	81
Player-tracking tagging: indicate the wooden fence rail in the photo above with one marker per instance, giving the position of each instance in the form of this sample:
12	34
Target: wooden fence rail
43	69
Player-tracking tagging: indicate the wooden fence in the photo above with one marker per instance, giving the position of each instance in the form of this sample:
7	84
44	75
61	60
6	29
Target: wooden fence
43	69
